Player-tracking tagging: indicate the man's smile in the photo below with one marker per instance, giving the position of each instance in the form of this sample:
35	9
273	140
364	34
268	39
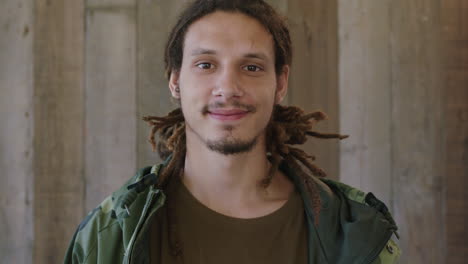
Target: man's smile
227	114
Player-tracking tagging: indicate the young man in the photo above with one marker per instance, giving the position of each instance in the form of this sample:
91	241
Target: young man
232	189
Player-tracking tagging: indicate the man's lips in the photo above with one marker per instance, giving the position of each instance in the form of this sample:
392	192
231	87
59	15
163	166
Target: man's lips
227	114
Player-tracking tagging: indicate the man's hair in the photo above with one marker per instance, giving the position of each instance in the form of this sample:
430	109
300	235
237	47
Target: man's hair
288	125
257	9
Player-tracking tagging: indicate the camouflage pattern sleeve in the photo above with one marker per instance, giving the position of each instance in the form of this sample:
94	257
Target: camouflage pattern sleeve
97	238
100	237
389	255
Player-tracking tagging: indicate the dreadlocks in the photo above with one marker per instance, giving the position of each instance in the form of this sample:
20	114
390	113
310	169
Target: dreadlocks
289	126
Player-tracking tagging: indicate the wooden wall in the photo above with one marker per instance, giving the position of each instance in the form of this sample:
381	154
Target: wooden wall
77	76
58	125
16	131
110	97
365	95
403	95
417	129
455	83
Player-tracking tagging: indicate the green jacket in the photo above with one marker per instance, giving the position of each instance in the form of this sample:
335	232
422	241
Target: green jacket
354	227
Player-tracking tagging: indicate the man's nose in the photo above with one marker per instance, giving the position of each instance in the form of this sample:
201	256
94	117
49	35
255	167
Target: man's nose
228	84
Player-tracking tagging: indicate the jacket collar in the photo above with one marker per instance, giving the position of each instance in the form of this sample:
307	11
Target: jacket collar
353	226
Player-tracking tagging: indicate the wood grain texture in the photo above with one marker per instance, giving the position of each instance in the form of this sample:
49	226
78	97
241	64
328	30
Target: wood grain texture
365	95
455	35
314	74
58	118
417	129
16	145
110	3
155	20
110	125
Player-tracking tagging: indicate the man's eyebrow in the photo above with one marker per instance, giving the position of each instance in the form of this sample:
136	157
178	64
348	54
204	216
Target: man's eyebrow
254	55
258	55
202	51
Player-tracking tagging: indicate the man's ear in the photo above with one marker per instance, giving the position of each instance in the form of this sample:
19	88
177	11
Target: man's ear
282	84
174	84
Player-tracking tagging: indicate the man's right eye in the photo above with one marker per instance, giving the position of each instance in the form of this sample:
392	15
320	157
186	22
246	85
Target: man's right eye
205	65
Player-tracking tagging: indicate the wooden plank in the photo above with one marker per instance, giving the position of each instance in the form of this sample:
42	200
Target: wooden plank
109	3
418	129
155	20
364	91
110	125
455	34
58	118
16	152
314	74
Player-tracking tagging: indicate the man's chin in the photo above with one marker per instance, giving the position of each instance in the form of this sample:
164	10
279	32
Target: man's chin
231	147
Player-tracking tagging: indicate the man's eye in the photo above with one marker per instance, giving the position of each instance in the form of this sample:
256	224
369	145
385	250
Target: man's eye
252	68
205	65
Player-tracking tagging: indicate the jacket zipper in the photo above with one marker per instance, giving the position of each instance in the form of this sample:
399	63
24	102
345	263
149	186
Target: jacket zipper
142	219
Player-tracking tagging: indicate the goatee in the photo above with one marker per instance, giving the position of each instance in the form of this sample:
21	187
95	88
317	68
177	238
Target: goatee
231	147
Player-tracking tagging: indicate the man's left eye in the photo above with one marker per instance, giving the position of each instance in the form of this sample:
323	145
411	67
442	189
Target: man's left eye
252	68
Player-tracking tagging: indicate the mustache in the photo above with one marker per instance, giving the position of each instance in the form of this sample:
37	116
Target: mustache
234	104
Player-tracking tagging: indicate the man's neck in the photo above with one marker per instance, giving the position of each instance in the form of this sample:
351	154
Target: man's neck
231	184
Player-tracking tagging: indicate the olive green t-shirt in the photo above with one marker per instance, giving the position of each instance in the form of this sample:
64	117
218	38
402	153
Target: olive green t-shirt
199	235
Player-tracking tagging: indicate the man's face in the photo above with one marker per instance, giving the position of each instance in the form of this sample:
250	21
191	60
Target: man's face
227	82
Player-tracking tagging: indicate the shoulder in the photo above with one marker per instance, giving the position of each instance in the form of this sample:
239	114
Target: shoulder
103	222
360	223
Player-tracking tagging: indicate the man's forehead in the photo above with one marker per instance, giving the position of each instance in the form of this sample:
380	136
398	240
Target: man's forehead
230	27
222	32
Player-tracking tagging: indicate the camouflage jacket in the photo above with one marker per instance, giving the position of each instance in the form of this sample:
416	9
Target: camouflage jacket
354	227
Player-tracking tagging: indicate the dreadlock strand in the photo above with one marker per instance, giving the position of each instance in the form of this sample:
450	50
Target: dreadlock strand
273	134
300	152
317	116
174	139
315	199
303	158
173	167
310	186
152	137
279	136
325	135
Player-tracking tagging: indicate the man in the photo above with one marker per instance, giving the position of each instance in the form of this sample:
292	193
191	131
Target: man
232	188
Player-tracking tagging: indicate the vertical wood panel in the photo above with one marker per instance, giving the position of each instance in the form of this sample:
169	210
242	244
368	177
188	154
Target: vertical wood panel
365	89
417	129
58	118
110	127
313	82
109	3
155	20
455	25
16	96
